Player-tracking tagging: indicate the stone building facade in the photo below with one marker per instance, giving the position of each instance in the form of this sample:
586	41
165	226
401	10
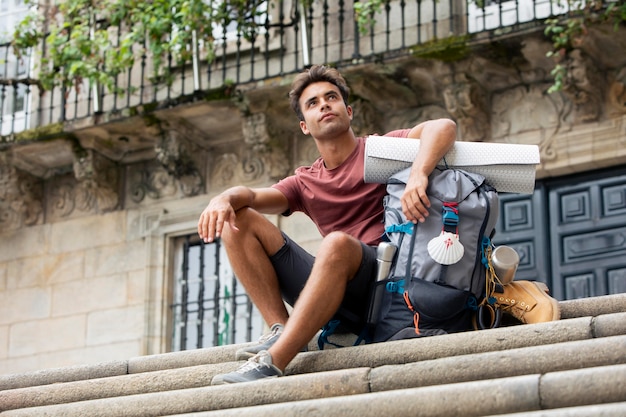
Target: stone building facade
91	215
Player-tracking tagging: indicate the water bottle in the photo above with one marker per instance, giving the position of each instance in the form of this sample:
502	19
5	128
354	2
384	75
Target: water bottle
384	257
505	261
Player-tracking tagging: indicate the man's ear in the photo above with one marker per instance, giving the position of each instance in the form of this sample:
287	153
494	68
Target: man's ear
304	128
349	110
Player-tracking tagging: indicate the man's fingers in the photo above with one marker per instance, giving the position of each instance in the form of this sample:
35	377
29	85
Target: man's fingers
415	207
203	225
213	225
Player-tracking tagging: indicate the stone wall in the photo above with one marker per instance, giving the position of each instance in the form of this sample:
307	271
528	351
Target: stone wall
95	288
88	215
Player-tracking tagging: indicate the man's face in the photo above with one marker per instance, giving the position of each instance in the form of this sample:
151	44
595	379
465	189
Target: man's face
325	113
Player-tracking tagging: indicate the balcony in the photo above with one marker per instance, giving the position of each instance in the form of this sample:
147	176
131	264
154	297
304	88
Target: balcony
290	37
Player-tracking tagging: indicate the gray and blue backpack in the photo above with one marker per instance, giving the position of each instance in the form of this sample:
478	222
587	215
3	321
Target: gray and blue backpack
438	277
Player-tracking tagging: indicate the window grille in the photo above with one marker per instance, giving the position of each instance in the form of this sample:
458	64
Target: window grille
14	97
210	307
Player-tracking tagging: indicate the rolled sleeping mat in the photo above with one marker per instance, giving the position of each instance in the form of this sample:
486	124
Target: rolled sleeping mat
506	167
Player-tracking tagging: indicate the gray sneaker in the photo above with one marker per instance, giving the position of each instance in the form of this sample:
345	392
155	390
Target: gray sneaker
257	367
265	342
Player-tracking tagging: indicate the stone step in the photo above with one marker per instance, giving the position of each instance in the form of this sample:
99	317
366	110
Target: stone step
346	393
552	390
592	306
597	338
552	357
586	307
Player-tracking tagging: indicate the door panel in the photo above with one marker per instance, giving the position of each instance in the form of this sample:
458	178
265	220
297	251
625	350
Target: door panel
522	226
588	235
570	234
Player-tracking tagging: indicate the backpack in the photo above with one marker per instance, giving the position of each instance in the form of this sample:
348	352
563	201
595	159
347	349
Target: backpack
438	276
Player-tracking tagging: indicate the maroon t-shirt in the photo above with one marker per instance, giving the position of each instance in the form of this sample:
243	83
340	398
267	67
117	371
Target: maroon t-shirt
338	199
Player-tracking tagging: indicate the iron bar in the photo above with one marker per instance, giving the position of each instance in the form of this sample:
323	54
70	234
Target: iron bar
295	35
200	299
184	289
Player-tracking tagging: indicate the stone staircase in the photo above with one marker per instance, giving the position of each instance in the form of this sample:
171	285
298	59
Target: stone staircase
572	367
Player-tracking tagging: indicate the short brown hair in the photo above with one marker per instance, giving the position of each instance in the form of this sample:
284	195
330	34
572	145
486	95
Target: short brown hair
317	73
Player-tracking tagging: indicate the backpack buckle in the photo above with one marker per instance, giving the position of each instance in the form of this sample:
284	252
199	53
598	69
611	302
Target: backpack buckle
395	287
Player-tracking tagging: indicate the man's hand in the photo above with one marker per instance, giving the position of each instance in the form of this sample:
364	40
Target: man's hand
212	219
437	138
415	202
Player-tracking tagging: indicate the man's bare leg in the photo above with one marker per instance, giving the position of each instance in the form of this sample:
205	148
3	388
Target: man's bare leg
337	262
249	250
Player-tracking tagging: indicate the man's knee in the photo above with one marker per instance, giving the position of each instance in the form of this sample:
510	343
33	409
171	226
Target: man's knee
342	247
250	223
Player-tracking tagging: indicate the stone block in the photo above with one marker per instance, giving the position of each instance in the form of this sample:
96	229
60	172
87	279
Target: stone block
18	244
610	325
136	292
24	304
64	267
26	272
49	335
502	364
11	366
476	399
92	355
603	384
593	306
89	295
421	349
595	410
59	375
183	359
87	385
42	270
4	342
3	276
300	387
115	259
88	232
113	326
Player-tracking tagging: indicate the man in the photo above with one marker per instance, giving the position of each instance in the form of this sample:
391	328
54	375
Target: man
348	212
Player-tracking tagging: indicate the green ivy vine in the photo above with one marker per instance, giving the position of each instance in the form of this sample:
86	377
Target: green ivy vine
81	36
567	32
97	40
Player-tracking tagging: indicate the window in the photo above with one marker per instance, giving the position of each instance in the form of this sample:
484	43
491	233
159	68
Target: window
210	307
231	32
13	98
499	13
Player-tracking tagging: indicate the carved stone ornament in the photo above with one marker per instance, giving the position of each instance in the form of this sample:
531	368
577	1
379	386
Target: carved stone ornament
584	86
151	181
174	154
92	190
98	182
260	158
617	94
20	198
465	102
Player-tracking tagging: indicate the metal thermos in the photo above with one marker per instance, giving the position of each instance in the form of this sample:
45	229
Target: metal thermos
384	257
505	261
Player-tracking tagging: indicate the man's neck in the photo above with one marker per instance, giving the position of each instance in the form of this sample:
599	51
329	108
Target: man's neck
335	151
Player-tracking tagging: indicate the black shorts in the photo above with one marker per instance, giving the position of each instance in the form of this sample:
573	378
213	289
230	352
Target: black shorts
293	266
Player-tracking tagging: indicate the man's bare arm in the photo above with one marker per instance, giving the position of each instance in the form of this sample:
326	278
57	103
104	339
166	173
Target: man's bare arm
436	139
222	208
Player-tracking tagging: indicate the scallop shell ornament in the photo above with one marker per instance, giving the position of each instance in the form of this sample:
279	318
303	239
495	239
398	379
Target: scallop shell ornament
446	248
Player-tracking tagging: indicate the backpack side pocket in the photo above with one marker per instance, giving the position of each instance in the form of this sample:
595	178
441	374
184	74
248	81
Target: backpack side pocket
440	306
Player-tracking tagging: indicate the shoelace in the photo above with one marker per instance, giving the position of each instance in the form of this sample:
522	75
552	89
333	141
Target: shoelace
252	363
276	330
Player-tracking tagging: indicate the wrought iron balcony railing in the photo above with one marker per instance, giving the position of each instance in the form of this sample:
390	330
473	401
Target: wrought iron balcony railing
293	37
